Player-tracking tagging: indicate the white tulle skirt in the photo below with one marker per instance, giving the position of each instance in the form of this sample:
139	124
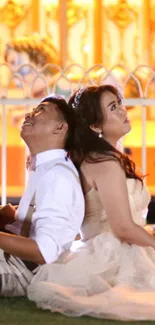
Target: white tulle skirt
102	278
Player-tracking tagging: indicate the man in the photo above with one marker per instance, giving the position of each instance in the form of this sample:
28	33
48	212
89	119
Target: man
54	187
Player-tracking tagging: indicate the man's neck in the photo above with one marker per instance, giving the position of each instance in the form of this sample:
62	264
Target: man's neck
35	150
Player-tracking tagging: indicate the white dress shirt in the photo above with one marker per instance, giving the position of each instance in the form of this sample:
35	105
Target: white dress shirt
59	204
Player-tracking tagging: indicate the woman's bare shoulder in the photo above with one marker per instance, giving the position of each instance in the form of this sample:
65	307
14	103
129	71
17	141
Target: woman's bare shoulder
90	168
87	180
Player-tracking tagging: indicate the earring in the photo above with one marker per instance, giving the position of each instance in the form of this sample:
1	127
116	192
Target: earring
100	135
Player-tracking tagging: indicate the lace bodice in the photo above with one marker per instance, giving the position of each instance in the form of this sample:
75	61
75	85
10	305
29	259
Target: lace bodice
96	221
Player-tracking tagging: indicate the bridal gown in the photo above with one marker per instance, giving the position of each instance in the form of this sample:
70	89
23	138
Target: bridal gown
101	276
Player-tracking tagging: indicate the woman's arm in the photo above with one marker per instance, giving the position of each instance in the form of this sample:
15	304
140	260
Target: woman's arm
110	181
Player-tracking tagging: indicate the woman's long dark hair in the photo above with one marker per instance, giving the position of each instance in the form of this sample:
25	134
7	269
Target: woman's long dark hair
87	145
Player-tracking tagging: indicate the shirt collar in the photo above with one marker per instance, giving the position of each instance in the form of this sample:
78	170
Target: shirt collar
48	155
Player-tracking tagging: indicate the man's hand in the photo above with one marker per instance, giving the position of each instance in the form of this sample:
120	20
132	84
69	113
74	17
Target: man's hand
7	214
24	248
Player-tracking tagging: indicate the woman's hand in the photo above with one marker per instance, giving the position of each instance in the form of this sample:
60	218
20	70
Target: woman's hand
150	229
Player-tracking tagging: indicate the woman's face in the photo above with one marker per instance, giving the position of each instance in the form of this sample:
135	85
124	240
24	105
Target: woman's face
116	123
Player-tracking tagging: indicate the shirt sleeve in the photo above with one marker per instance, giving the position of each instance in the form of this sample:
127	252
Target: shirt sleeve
59	212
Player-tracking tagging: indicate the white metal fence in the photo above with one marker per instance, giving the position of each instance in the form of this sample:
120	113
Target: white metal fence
54	79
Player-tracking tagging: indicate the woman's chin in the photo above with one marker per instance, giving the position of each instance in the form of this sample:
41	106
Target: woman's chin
127	128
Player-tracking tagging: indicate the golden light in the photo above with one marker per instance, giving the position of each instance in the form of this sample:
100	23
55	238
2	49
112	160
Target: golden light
54	3
132	3
135	3
110	2
86	48
51	3
83	3
78	3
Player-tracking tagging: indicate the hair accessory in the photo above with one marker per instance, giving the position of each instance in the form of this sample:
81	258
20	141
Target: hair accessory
100	135
77	98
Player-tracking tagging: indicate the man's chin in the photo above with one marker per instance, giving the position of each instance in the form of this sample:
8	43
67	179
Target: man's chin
24	134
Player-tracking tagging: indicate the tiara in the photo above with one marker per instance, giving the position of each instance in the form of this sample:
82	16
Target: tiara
77	98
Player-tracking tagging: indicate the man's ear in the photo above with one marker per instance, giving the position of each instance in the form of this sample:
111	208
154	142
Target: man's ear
62	127
95	128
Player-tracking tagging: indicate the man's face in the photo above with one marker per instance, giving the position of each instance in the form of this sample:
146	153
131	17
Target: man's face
41	123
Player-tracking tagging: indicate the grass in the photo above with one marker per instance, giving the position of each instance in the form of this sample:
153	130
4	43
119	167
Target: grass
20	311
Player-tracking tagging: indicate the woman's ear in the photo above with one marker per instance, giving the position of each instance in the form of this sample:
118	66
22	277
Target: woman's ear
95	128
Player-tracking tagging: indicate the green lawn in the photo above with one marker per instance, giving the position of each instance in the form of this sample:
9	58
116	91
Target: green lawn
20	311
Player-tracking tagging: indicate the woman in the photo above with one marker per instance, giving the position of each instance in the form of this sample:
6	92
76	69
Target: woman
111	272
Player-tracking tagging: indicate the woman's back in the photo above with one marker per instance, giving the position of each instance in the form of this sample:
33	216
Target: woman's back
96	219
